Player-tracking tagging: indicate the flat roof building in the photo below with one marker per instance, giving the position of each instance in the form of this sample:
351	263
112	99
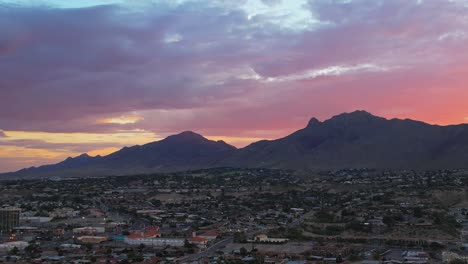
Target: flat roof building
9	218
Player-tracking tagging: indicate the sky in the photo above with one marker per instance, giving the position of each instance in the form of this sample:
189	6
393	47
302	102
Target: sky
92	76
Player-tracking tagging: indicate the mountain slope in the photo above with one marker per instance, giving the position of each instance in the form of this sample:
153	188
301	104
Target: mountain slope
360	139
183	151
350	140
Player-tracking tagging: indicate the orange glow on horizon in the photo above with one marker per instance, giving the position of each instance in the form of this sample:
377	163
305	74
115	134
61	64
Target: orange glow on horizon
33	148
122	120
103	151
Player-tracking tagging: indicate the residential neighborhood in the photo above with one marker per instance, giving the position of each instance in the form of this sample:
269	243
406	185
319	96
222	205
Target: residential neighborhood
229	215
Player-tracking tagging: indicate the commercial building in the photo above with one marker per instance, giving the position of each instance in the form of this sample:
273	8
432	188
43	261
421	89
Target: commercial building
9	218
155	242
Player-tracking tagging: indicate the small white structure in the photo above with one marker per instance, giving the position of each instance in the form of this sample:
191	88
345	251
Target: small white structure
448	256
155	242
419	257
11	245
265	239
89	230
70	246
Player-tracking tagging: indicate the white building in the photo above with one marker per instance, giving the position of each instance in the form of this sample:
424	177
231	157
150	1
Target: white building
155	242
11	245
35	219
448	256
265	239
88	230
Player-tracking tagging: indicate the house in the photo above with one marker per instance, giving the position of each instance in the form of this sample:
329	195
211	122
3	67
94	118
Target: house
199	241
95	213
88	230
209	235
92	239
148	232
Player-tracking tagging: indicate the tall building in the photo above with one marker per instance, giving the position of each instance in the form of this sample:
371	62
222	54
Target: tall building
9	218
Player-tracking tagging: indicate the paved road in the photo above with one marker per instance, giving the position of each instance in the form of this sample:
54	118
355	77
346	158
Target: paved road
223	243
141	222
208	252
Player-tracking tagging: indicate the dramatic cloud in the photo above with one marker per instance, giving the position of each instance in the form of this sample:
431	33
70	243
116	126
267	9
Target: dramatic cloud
237	71
122	120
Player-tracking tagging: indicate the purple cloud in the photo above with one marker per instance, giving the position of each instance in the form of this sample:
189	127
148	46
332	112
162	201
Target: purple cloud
222	69
190	66
74	147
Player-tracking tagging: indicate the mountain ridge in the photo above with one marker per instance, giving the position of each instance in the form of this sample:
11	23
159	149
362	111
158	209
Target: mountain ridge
348	140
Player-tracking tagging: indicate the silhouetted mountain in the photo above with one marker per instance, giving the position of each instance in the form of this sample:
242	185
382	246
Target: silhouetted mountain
183	151
350	140
70	163
358	140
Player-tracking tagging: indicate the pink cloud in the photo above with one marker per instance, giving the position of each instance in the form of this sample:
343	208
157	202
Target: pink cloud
65	69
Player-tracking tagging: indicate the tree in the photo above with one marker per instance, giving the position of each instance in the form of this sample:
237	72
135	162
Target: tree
376	255
458	261
14	251
141	247
388	220
131	255
354	257
435	246
88	247
32	249
187	244
243	251
240	237
417	212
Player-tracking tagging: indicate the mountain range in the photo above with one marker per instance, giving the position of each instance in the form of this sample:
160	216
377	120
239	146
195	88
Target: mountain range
350	140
